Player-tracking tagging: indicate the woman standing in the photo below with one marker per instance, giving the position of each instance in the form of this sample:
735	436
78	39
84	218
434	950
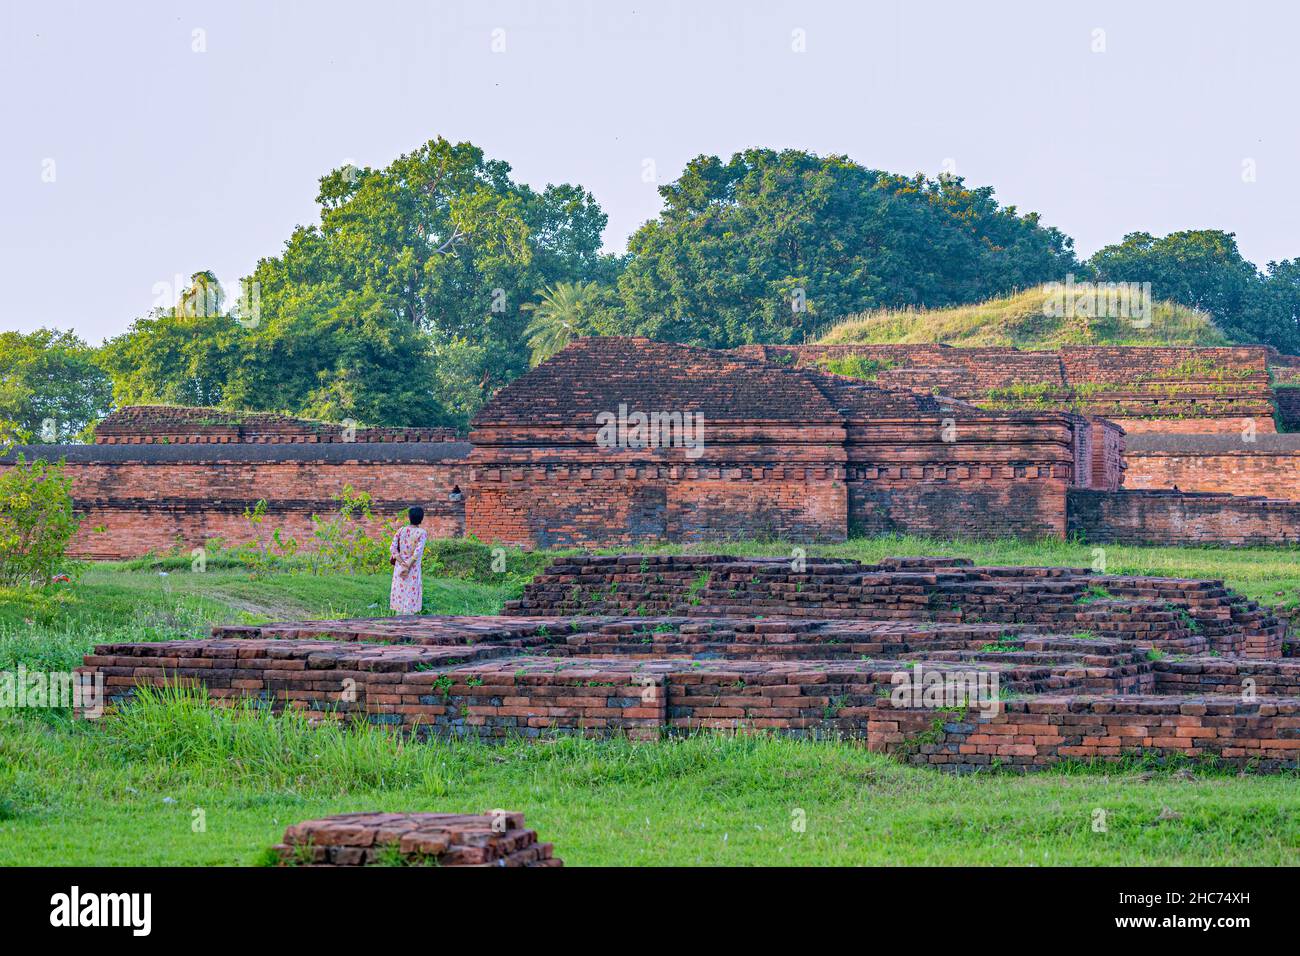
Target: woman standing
406	555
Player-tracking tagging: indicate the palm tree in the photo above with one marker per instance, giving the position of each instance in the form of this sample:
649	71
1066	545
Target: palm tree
203	299
566	311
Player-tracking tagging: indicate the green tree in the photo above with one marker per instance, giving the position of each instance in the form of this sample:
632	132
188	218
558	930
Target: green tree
1274	315
36	521
771	247
403	306
51	388
330	354
566	311
1201	268
171	358
443	239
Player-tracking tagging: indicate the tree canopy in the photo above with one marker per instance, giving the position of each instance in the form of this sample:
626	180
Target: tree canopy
404	305
771	247
50	386
429	283
1204	269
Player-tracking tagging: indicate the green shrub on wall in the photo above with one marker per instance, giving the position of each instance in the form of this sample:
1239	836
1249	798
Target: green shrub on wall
36	521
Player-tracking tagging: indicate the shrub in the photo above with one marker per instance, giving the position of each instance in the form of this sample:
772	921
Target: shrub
344	541
36	521
470	559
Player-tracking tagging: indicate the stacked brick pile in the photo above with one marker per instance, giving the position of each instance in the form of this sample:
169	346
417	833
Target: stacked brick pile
495	838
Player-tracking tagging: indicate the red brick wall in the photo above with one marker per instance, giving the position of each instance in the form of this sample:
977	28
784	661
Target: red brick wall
1231	425
130	508
174	424
118	531
1172	518
1107	456
564	506
1230	467
987	503
1288	407
1041	731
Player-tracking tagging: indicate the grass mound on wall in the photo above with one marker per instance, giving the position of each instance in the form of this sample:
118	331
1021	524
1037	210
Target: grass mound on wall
1019	320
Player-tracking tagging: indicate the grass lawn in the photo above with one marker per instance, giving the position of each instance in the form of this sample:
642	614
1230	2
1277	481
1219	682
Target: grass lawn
125	790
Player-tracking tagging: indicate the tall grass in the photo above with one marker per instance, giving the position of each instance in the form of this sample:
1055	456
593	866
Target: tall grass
1018	320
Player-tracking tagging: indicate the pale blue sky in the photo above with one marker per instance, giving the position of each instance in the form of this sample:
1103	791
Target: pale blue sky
166	160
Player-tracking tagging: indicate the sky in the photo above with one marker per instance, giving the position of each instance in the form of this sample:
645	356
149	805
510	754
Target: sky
141	142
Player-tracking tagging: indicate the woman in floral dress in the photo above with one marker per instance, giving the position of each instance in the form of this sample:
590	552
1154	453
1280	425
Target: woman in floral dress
405	555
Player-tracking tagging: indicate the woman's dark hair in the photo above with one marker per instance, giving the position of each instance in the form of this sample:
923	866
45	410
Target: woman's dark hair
416	514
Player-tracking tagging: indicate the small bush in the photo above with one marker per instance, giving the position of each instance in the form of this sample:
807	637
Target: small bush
36	522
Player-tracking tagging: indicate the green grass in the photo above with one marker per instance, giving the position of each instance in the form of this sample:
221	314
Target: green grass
1018	320
123	790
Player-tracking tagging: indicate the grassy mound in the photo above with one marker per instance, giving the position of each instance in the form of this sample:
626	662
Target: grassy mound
1020	320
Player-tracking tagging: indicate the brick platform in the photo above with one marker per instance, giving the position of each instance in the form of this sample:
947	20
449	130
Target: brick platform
494	838
1081	666
1170	614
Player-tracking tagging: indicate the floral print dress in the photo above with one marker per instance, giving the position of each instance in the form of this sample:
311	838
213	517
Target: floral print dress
407	551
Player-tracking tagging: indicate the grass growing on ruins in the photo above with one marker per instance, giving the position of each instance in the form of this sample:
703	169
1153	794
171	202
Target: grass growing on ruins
124	790
1018	320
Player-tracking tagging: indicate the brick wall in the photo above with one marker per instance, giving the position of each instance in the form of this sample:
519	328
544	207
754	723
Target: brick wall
981	505
1268	466
1038	732
785	451
1182	518
755	645
138	498
565	506
1108	466
793	454
1177	616
1288	407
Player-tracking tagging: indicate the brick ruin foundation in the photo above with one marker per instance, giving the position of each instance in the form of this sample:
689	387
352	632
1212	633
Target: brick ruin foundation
1086	666
1150	445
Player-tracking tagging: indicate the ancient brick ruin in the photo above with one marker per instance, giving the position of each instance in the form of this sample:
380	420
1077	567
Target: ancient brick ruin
1168	389
1081	666
787	453
763	441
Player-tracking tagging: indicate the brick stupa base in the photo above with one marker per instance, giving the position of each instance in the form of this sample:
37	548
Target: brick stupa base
1087	666
495	838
